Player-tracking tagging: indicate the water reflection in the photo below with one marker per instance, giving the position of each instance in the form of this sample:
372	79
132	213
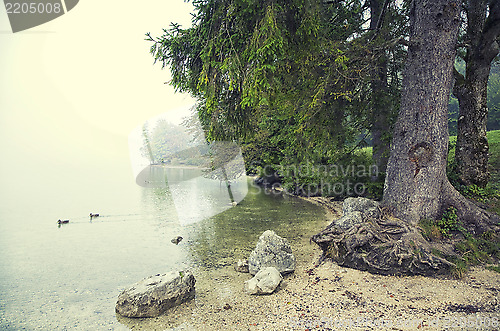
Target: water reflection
196	193
214	244
224	238
70	277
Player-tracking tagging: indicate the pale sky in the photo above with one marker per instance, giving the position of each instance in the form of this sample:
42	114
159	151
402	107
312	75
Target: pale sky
71	90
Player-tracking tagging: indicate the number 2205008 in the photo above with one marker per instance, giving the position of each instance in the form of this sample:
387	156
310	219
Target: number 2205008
33	8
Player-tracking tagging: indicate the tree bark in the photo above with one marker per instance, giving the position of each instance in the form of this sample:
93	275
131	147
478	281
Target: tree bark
416	173
471	152
416	185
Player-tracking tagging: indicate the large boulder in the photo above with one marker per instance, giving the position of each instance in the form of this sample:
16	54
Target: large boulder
152	296
349	220
271	251
356	211
264	282
366	206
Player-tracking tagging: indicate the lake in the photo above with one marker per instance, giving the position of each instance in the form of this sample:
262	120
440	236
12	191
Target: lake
69	277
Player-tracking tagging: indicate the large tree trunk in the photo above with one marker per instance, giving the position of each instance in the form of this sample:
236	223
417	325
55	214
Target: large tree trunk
471	152
416	185
416	173
381	108
371	238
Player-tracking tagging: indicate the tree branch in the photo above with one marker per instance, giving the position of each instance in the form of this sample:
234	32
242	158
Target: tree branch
458	83
491	29
483	31
380	20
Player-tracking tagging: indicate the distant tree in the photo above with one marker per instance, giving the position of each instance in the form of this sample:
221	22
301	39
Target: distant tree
493	122
471	89
164	141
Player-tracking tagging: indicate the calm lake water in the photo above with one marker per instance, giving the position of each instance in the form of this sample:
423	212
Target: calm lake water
69	277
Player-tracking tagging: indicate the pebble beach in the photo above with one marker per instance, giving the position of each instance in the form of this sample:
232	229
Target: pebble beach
330	297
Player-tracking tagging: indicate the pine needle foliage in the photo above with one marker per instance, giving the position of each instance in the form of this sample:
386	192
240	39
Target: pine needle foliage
286	79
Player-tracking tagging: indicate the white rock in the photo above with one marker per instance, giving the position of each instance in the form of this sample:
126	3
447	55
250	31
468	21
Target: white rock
264	282
356	210
349	220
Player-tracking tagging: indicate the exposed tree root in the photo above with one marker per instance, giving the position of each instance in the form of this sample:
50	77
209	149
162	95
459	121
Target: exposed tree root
385	245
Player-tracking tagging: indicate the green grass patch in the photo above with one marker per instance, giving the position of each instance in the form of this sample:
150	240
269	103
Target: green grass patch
494	268
474	251
469	250
460	268
430	229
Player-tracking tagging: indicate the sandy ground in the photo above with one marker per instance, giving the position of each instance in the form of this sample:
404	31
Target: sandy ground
329	297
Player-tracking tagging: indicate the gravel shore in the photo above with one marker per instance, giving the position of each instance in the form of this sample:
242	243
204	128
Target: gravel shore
329	297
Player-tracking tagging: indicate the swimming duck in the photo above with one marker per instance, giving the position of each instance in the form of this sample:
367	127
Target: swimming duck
176	240
62	222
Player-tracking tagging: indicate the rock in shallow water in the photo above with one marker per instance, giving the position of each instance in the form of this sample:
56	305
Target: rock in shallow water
154	295
271	251
264	282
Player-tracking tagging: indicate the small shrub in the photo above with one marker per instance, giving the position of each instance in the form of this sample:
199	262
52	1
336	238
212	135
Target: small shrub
460	268
448	222
430	230
479	193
